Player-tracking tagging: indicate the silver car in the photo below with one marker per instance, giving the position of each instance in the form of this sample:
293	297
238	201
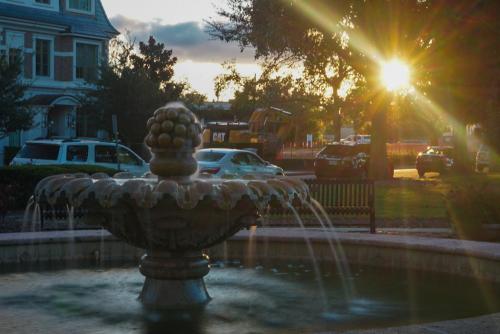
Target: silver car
220	162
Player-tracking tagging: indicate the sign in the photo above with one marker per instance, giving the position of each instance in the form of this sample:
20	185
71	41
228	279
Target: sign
309	139
218	137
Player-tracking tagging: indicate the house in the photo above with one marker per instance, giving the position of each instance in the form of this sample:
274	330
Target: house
61	43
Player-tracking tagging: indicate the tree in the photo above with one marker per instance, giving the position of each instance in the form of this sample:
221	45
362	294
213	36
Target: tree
282	35
132	85
269	90
193	99
14	114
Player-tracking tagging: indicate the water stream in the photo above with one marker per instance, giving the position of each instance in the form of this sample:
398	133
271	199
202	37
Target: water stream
343	259
314	262
341	263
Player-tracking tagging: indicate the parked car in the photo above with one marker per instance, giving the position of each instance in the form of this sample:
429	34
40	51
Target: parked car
345	160
341	160
487	160
219	162
80	151
435	159
356	139
483	159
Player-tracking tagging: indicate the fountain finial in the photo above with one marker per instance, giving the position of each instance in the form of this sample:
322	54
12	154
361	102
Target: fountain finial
173	134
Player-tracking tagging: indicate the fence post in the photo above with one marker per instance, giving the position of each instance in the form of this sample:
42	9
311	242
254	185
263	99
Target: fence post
372	207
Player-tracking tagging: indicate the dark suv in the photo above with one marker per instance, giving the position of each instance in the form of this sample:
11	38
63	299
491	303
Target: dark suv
435	159
342	160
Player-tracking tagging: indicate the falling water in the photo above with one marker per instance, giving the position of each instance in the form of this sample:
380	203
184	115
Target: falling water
225	251
71	226
340	263
27	212
310	249
100	257
250	259
36	219
342	257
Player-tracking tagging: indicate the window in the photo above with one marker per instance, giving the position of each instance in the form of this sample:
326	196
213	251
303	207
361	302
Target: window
39	151
87	61
105	154
42	57
127	158
14	55
240	159
209	156
14	46
80	5
77	153
44	2
254	160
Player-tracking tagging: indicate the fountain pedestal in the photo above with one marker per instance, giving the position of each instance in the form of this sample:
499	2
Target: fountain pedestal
173	280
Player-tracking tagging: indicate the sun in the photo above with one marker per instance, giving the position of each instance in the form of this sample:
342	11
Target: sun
395	75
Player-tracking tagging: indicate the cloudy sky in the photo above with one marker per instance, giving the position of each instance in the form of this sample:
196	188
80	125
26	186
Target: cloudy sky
179	24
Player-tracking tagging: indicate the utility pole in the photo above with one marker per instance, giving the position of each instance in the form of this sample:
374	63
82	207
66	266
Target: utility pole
114	121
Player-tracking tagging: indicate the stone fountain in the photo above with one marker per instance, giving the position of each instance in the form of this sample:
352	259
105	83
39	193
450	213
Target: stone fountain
169	213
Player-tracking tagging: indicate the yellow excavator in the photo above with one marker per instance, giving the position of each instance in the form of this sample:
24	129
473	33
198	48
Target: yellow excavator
264	133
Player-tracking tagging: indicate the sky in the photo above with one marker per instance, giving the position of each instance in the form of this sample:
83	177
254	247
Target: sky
180	25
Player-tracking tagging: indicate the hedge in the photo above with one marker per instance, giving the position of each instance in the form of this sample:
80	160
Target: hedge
17	183
472	203
9	153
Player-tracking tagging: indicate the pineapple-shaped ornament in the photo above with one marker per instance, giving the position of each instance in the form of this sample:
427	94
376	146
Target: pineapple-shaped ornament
173	134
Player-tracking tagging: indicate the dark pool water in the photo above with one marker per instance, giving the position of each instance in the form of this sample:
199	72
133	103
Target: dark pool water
282	298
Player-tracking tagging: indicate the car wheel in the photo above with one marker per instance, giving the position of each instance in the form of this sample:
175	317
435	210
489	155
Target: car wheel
421	173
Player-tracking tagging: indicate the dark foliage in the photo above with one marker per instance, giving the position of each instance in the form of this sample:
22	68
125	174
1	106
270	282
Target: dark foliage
17	183
132	86
14	114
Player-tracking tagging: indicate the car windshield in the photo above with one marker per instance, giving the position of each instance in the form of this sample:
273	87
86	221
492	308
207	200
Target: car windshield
39	151
338	150
209	156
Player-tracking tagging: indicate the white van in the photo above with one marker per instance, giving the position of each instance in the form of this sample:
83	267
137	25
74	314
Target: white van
81	152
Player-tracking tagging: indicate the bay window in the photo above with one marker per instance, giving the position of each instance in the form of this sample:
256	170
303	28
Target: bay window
80	5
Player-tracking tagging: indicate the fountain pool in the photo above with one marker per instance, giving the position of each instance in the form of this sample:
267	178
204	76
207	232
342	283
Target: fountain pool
277	298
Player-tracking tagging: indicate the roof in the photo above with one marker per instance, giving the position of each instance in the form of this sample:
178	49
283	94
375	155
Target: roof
58	141
216	105
93	26
223	150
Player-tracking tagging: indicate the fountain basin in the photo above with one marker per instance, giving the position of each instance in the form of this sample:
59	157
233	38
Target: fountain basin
274	290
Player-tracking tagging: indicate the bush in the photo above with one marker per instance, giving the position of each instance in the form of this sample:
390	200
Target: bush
472	204
17	183
9	153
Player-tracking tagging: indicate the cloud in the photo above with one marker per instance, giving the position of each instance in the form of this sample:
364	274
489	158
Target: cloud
189	40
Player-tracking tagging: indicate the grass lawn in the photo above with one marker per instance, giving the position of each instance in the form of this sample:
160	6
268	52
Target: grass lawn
409	200
424	199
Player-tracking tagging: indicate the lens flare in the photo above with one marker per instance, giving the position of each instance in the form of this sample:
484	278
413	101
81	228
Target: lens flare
395	75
